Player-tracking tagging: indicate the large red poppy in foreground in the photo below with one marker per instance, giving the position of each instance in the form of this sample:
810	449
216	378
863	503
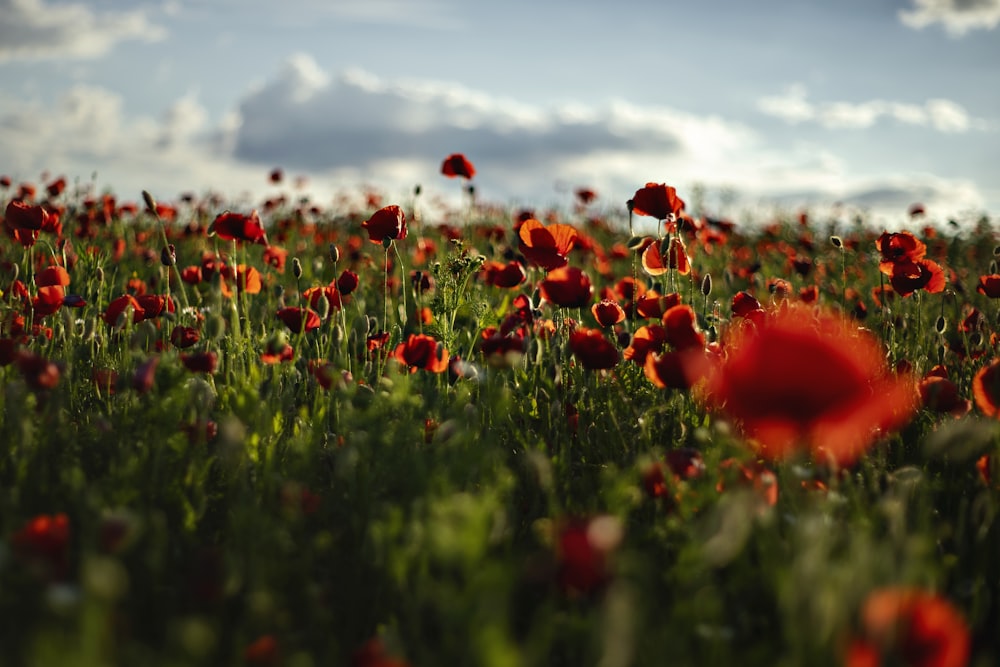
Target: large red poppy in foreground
801	381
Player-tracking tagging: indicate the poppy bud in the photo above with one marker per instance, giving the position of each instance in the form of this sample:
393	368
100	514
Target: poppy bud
993	267
334	253
168	255
996	251
322	306
635	242
296	268
472	190
338	334
630	204
940	324
417	190
837	242
100	274
150	202
214	326
706	284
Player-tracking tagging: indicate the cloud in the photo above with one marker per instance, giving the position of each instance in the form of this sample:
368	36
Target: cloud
957	16
942	115
349	130
35	30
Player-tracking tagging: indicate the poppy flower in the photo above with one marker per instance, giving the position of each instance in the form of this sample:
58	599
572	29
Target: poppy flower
898	248
386	223
52	275
500	350
184	337
667	370
680	323
568	287
456	165
911	628
607	312
314	296
584	548
924	274
263	651
939	394
246	279
39	373
347	282
200	362
117	308
657	260
22	216
986	389
48	300
507	276
646	340
989	285
657	200
805	381
745	305
299	319
376	341
546	246
44	542
145	375
154	305
276	257
652	304
420	351
238	227
592	349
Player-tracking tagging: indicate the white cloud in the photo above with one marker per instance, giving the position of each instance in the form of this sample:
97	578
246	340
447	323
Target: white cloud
35	30
793	106
350	130
957	16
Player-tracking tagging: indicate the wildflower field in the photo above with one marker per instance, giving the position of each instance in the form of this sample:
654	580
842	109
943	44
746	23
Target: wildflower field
385	433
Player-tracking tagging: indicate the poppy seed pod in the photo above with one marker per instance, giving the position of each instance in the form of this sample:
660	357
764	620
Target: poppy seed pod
150	202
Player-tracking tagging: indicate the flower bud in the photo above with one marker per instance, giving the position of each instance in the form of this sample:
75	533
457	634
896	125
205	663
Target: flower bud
296	268
168	255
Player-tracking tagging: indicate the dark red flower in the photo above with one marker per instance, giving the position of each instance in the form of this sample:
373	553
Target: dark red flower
592	349
48	300
44	542
923	274
989	285
502	350
508	275
347	282
801	380
456	165
986	389
546	246
681	325
607	312
263	651
39	373
899	248
238	227
200	362
568	287
52	275
420	351
584	549
386	223
911	628
117	308
652	304
299	319
939	394
22	216
184	337
657	200
145	375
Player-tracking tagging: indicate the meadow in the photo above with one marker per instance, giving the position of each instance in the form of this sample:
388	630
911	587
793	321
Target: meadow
386	433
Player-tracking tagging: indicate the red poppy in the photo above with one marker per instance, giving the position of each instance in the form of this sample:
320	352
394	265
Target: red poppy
246	279
646	340
314	296
422	352
52	275
456	165
652	304
39	373
191	275
48	300
667	370
911	628
145	375
238	227
568	287
546	246
117	308
184	337
299	319
986	389
263	651
924	274
607	312
592	349
745	305
22	216
200	362
652	259
584	548
386	223
508	275
276	257
154	305
681	326
44	542
657	200
898	248
939	394
501	350
376	341
808	381
347	282
277	356
989	285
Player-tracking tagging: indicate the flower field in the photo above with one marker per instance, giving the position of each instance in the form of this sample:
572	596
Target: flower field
377	433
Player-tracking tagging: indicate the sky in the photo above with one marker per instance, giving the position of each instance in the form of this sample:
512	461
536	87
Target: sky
870	105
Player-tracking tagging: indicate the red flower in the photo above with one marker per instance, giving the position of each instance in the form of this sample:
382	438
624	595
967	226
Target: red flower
568	287
502	350
911	628
39	373
607	312
184	337
680	323
657	200
246	278
263	652
657	260
276	257
22	216
386	223
508	275
653	304
800	380
457	165
925	274
347	282
939	394
583	554
592	349
647	340
299	319
200	362
898	248
44	542
52	275
48	300
547	247
422	352
986	389
989	285
238	227
117	308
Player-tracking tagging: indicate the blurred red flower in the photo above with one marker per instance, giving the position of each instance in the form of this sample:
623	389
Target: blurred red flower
646	340
386	223
420	351
568	287
43	542
808	381
299	319
592	349
657	200
200	362
986	389
184	337
238	227
52	275
989	285
584	548
508	275
116	309
911	628
456	165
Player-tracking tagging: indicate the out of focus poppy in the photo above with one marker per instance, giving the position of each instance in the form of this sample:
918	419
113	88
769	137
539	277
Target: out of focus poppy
546	246
457	165
568	287
200	362
657	200
507	276
803	381
584	548
299	319
909	627
986	389
646	340
592	349
238	227
43	542
989	285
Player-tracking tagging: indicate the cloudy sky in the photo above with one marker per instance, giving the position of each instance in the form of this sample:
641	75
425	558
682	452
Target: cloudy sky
875	103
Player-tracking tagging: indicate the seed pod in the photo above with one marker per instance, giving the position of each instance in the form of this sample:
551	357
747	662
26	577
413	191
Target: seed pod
940	324
837	242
